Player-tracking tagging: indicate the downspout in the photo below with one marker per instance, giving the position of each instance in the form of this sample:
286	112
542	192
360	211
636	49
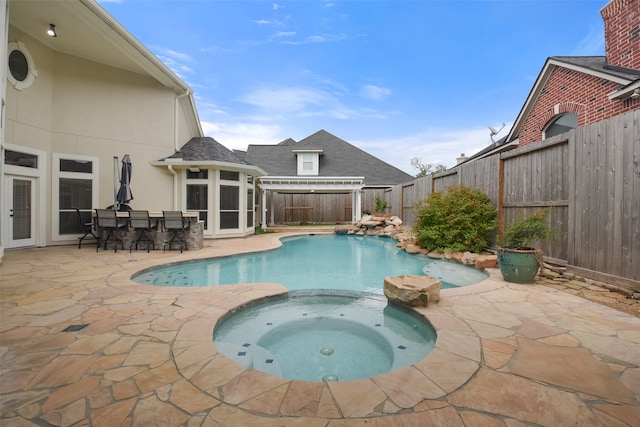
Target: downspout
176	143
175	186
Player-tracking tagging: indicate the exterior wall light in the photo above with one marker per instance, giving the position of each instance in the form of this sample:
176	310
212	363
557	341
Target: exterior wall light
52	31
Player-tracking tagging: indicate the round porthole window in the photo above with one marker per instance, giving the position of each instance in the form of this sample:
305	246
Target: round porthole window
21	69
18	65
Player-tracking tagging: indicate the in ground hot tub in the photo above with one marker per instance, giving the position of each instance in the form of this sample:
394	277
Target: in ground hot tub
320	336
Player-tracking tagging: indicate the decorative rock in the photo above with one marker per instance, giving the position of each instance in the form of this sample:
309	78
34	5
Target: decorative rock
469	258
394	220
435	255
341	229
457	256
448	252
365	218
412	290
412	248
486	261
372	223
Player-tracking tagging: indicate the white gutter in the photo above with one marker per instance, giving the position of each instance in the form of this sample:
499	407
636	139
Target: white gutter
175	119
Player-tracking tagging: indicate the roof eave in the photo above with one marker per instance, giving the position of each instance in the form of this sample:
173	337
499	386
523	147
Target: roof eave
185	164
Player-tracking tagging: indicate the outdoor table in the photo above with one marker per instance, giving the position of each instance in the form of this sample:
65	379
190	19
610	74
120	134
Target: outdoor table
193	236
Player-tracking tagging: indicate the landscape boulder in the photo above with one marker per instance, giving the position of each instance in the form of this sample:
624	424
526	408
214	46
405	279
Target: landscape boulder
412	290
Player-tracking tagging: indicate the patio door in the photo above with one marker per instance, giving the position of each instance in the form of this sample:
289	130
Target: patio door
20	212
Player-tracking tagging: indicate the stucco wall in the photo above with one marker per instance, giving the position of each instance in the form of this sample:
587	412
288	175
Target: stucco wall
82	107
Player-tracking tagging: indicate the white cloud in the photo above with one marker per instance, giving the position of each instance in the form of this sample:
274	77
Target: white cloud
290	100
285	34
176	61
430	146
591	44
374	92
237	136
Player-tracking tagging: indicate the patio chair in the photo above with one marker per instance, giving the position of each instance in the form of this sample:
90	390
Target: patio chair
85	227
177	225
108	221
140	222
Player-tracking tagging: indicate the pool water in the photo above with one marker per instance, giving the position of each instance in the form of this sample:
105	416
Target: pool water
324	261
310	337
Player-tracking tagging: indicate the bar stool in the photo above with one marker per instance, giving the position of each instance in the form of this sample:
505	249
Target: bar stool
140	222
175	222
108	220
85	227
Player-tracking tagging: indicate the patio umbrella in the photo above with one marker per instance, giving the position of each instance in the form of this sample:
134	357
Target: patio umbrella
124	193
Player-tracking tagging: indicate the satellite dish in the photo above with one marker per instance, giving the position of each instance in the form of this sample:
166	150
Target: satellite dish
494	132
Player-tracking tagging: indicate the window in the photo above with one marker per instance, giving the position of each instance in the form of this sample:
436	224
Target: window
21	69
18	65
197	192
198	200
76	186
561	124
16	158
230	176
308	161
197	174
250	204
229	206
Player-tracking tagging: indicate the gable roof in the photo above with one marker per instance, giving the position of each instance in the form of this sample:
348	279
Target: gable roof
206	149
591	65
338	159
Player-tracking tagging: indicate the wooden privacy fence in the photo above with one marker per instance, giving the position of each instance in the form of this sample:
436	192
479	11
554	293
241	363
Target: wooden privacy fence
589	177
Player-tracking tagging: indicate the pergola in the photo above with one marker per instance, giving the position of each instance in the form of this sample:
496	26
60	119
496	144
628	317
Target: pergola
311	184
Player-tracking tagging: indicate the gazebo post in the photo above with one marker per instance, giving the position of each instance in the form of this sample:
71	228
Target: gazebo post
263	218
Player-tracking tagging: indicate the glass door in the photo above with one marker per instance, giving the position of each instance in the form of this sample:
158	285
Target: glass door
20	212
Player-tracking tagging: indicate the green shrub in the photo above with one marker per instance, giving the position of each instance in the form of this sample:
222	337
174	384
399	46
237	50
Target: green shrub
462	220
381	205
521	233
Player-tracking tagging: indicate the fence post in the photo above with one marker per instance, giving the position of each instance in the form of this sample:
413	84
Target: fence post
500	198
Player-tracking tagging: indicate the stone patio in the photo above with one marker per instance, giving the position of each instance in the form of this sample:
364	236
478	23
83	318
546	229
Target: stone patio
506	354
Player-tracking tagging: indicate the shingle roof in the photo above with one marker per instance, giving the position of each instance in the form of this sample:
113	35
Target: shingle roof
206	149
599	64
338	158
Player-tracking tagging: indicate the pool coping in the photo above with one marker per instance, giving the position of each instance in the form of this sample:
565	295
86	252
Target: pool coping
446	369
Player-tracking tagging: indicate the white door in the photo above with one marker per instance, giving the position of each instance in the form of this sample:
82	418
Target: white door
20	212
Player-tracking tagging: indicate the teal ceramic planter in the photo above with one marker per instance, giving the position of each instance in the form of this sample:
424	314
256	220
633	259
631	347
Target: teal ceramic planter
518	266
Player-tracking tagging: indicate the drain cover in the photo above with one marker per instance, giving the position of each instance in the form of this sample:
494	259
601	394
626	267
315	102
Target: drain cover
330	377
326	351
74	328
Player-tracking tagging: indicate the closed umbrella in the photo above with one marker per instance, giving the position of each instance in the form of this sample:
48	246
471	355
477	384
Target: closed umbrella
124	193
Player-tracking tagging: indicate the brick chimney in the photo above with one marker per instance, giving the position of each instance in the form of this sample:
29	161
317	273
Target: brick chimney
622	33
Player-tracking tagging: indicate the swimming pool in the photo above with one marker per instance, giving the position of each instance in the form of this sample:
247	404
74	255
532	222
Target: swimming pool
323	261
324	337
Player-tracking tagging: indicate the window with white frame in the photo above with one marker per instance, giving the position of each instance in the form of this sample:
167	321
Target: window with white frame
250	200
197	192
229	193
308	162
75	186
22	72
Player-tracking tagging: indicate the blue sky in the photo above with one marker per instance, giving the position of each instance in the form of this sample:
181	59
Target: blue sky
398	79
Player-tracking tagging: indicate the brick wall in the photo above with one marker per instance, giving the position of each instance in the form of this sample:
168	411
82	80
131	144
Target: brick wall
571	91
622	33
586	96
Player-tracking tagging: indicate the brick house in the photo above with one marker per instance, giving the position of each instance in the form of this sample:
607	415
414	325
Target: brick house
573	91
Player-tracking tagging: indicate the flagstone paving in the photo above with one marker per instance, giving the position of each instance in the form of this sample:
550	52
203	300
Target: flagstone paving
553	353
